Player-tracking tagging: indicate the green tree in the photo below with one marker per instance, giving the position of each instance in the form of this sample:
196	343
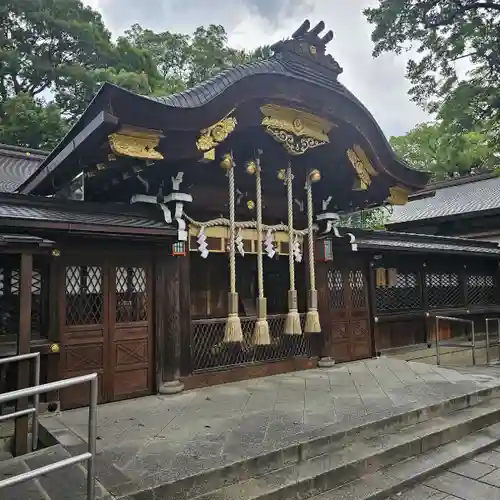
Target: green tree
64	47
445	152
444	32
373	218
184	61
29	122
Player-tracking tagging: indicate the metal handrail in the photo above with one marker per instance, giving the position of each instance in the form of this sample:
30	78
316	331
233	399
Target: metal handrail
457	320
488	345
35	411
89	456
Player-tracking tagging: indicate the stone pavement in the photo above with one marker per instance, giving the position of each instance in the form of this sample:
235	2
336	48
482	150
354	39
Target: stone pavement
171	437
477	479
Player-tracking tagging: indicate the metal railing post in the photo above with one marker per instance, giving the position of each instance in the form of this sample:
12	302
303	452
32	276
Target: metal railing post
438	354
92	437
487	321
88	456
35	411
36	406
458	320
473	344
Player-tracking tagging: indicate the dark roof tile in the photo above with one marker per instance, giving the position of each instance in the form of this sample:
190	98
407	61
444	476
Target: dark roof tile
16	165
460	199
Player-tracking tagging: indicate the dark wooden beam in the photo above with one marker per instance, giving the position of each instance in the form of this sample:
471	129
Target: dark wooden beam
23	347
44	179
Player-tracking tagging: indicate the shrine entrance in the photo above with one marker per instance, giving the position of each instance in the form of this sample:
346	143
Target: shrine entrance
105	314
345	310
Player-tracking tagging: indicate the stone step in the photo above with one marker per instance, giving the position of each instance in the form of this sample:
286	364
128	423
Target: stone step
360	457
5	455
304	447
389	481
68	483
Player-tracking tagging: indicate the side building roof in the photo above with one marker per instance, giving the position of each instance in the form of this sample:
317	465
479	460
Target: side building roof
458	197
17	164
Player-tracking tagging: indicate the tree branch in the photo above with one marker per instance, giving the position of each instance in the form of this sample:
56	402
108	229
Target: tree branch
462	9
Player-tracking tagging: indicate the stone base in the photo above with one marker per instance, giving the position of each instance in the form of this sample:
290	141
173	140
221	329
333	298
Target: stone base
171	387
326	362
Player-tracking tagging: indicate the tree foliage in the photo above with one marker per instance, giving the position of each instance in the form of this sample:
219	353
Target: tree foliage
446	34
445	153
62	52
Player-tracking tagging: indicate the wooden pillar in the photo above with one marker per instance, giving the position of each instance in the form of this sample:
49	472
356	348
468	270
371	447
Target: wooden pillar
185	308
23	347
324	308
168	322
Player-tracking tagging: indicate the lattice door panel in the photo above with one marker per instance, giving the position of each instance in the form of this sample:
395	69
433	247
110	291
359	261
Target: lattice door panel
131	294
84	295
482	290
357	289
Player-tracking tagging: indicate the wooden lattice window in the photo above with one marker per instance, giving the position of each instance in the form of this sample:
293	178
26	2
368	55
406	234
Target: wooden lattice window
84	295
443	289
481	290
401	294
131	294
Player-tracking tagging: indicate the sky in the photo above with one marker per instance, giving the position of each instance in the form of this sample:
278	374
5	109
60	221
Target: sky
379	83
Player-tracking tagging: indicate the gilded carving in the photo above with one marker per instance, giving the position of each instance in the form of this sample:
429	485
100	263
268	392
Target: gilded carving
297	130
362	166
398	195
214	135
136	143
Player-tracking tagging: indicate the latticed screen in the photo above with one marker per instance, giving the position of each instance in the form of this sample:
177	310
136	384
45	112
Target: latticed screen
402	293
10	305
210	351
443	289
482	289
358	292
335	285
131	294
84	295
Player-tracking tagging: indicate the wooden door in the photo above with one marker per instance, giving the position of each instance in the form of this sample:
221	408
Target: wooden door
131	346
84	327
346	312
106	327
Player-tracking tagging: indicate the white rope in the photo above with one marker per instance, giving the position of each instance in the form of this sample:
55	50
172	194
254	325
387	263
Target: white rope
310	236
260	266
291	263
221	221
232	249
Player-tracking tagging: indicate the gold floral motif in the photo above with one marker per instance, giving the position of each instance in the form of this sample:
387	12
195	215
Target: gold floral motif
215	134
398	195
136	143
363	167
296	122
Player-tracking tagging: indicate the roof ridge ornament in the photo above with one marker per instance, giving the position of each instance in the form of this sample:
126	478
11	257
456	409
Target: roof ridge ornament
306	43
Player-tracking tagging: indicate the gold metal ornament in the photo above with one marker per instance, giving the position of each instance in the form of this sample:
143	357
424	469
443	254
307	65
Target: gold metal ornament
214	135
298	131
136	143
251	167
227	162
315	176
54	348
398	195
56	252
250	205
362	166
281	174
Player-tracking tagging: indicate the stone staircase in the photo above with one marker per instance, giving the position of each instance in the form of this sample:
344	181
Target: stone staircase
373	458
372	461
64	484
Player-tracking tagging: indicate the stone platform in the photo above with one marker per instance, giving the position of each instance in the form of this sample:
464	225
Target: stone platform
172	440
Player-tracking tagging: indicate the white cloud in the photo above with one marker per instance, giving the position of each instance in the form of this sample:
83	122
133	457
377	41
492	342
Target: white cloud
379	83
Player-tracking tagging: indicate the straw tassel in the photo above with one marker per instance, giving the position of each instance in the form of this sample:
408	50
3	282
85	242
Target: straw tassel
292	320
312	324
261	331
232	330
